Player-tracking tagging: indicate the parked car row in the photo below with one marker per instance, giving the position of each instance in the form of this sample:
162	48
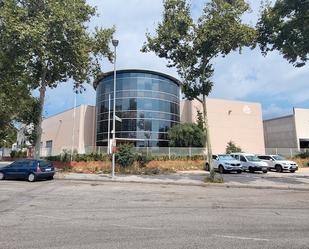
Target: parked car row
29	169
239	162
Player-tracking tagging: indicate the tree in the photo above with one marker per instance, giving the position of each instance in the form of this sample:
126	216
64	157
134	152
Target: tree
17	106
50	44
186	135
191	46
285	27
200	120
232	148
16	102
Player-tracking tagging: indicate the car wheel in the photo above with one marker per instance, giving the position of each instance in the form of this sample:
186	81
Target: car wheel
278	168
2	176
264	171
251	170
207	167
292	171
221	169
31	177
238	171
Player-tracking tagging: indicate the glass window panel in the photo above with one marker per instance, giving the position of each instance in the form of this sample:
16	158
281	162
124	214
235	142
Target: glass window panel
140	124
132	104
148	125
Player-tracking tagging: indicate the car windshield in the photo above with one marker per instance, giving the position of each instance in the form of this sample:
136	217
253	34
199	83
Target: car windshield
226	157
279	158
253	158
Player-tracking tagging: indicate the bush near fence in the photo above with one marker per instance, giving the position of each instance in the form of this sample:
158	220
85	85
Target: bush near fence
152	167
142	163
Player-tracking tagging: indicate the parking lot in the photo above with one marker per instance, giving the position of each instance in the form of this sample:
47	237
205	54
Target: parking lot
298	179
72	214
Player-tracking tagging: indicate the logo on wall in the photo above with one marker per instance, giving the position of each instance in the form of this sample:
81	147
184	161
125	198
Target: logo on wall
246	109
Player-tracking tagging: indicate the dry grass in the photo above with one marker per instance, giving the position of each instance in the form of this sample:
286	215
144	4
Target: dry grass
153	167
302	163
178	165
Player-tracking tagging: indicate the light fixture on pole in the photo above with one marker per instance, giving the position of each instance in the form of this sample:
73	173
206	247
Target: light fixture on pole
115	44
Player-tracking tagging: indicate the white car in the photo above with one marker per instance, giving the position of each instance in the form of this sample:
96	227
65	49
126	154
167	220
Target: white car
251	162
226	163
279	163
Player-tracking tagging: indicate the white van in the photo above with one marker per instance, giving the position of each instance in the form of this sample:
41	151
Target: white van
251	162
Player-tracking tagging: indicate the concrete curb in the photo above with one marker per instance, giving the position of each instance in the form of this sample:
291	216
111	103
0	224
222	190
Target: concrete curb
222	185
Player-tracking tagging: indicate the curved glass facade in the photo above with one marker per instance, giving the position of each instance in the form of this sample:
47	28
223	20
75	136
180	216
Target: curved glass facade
146	101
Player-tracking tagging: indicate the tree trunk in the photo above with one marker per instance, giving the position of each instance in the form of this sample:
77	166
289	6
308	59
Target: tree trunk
38	128
208	144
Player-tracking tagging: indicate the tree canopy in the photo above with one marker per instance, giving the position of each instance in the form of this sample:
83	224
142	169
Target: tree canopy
191	46
285	27
16	102
49	42
186	135
231	147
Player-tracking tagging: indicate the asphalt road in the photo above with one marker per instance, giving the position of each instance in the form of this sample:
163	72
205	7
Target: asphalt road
64	214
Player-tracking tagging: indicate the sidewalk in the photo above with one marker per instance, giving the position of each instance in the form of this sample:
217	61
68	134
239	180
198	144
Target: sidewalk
271	180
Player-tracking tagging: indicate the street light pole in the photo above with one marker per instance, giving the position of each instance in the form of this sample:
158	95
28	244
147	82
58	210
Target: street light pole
115	44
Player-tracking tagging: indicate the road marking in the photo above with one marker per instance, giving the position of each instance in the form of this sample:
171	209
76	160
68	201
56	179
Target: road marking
242	238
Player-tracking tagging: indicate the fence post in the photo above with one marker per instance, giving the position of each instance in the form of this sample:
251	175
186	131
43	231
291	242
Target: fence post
276	151
291	152
169	153
147	151
190	152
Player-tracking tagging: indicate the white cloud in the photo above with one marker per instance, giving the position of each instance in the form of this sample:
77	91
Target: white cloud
270	80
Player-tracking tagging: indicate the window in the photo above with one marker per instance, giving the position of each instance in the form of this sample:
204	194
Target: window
243	159
49	144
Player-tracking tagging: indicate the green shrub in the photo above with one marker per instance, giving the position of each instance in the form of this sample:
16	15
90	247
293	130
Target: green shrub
13	154
186	135
232	148
18	154
142	159
303	155
125	156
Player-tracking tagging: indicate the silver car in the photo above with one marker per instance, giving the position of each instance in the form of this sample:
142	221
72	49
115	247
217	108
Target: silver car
279	163
251	162
226	163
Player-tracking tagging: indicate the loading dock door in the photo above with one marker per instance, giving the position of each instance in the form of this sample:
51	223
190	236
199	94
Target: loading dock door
304	143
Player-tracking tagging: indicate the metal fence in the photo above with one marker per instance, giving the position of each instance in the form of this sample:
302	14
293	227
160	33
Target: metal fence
157	151
287	152
5	152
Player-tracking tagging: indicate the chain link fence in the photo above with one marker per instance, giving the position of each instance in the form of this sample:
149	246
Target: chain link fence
287	152
156	151
5	152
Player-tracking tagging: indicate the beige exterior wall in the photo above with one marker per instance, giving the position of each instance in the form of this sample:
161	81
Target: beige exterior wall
280	132
301	123
59	129
240	122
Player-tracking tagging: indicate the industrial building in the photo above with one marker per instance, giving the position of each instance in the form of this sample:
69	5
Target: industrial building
288	131
147	105
228	120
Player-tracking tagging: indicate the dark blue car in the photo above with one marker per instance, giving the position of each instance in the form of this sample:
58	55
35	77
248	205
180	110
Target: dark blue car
29	169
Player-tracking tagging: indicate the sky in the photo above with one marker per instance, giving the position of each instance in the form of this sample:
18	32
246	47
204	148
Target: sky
248	76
